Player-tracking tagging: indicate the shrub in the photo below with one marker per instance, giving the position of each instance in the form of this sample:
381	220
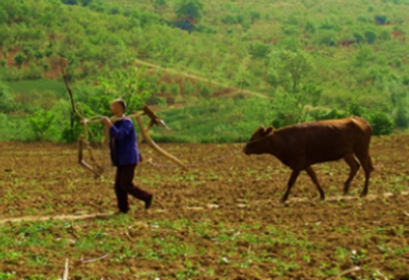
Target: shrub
370	36
246	24
327	114
33	72
46	66
163	87
229	19
401	117
162	102
384	35
259	50
381	122
355	109
174	89
38	54
205	91
189	88
254	15
6	100
13	75
40	123
310	27
396	62
19	59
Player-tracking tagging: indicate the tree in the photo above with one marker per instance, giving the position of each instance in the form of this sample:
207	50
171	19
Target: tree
370	36
19	59
259	50
191	9
287	110
296	64
313	93
127	85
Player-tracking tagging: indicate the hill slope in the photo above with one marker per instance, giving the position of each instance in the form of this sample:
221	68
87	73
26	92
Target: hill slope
355	51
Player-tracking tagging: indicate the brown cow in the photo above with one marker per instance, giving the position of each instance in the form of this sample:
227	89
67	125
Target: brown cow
302	145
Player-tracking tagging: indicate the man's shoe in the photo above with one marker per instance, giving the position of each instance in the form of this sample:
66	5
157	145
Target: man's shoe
148	202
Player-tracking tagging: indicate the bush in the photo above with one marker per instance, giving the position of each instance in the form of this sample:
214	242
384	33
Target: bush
38	54
29	52
229	19
3	62
6	100
19	59
40	123
13	75
370	36
259	50
328	114
33	72
254	15
246	24
46	66
205	91
385	35
174	89
163	87
396	62
382	123
189	88
162	102
355	109
401	117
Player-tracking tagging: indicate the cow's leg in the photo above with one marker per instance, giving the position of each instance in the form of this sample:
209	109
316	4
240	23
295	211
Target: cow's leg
368	168
313	177
291	182
354	167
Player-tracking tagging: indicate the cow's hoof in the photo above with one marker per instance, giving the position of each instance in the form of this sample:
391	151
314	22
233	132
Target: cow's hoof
283	200
364	194
322	197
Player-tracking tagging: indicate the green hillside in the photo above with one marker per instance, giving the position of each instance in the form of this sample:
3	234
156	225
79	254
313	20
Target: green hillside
290	57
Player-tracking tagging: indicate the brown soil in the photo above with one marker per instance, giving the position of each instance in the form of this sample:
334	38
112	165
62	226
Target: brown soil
242	190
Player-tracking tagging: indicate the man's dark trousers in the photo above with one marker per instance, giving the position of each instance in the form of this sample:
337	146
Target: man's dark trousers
125	186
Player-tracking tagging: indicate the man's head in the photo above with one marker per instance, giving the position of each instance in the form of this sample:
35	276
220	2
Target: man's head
118	107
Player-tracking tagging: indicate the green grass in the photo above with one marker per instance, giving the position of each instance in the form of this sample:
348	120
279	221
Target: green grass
165	245
41	85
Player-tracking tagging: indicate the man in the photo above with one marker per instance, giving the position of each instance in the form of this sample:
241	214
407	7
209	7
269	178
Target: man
125	156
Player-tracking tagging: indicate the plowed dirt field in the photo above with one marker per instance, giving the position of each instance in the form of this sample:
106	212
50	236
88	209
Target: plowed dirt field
216	221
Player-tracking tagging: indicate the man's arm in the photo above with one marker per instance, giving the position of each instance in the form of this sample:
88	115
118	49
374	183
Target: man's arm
120	133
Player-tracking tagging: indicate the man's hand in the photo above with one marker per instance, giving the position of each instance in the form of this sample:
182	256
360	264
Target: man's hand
140	157
106	121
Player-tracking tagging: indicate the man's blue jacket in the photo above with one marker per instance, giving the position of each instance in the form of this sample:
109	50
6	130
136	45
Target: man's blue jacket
123	146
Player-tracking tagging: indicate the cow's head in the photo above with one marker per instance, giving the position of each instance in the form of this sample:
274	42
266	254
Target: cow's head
259	143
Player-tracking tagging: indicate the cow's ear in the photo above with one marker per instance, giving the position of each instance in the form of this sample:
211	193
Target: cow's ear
269	130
